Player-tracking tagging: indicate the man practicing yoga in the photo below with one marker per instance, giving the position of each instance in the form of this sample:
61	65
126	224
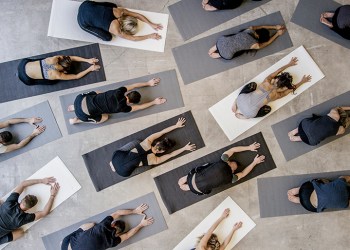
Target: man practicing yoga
13	213
6	136
51	69
320	194
103	20
201	180
107	233
339	21
317	128
95	106
137	154
212	5
253	99
210	241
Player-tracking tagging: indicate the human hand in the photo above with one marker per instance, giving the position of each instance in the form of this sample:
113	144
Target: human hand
181	122
153	82
34	120
92	60
48	180
94	67
280	27
259	159
159	100
54	189
293	61
157	26
190	147
225	213
140	209
155	36
254	146
38	130
281	32
237	225
306	79
146	221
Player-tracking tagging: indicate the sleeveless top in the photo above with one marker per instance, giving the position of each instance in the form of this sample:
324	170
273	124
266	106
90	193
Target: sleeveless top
45	67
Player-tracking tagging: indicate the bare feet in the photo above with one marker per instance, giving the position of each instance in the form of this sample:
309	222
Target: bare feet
70	108
112	167
183	183
293	191
292	195
74	120
292	135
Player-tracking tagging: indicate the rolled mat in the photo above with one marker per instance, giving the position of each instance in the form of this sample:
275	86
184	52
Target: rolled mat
53	240
168	88
193	60
293	150
175	199
191	19
272	191
97	161
14	89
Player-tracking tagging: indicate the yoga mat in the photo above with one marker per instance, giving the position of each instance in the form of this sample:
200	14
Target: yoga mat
168	88
196	52
68	27
53	240
97	161
175	199
293	150
22	130
224	228
68	187
233	126
272	191
191	19
13	89
307	15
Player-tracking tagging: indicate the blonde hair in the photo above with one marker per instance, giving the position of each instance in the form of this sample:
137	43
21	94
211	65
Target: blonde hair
213	242
344	117
128	25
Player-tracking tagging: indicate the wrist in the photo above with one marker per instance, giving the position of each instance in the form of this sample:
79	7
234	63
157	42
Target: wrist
52	196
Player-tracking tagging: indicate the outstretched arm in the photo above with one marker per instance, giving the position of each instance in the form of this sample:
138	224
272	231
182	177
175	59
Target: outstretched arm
163	158
19	189
82	59
63	76
280	94
345	108
48	206
253	147
268	27
258	159
144	222
139	210
157	101
228	238
292	62
180	123
151	83
13	121
143	19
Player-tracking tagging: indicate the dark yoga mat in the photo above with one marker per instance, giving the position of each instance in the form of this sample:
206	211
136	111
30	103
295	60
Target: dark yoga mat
168	88
191	19
175	199
193	60
97	161
22	130
307	15
273	200
13	88
53	240
293	150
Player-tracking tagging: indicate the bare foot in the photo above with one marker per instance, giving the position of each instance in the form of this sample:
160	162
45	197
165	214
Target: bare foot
112	167
293	191
74	120
70	108
293	199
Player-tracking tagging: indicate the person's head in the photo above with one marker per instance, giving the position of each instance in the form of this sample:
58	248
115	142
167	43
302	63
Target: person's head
65	62
305	192
5	137
28	202
128	24
213	242
284	80
133	97
340	115
233	164
119	226
263	35
160	146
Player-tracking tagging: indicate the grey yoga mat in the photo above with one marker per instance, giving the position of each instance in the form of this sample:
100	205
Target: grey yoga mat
307	15
193	60
13	89
293	150
53	240
22	130
175	199
97	161
272	191
168	88
191	19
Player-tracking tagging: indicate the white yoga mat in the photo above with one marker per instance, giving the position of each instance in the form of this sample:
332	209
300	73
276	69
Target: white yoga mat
64	24
233	127
236	215
68	186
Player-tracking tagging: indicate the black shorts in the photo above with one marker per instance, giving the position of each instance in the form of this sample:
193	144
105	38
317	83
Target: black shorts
6	238
22	75
79	111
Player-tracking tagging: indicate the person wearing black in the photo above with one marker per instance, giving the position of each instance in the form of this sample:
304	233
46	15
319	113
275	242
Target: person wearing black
212	5
107	233
317	128
95	106
339	21
201	180
13	213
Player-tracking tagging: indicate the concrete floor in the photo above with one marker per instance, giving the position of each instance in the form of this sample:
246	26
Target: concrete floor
23	33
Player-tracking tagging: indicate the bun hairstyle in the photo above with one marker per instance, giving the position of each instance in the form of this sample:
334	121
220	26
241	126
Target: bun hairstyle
213	242
163	144
264	35
65	62
128	24
285	80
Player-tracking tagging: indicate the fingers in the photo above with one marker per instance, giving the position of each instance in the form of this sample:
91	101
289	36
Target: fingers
39	129
181	121
143	207
37	119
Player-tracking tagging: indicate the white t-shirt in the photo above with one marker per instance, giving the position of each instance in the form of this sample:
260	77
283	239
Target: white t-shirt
2	148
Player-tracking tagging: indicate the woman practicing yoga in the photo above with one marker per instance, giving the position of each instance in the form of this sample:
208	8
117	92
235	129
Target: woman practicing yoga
210	241
315	129
251	39
48	70
339	21
252	100
212	5
103	19
320	194
201	180
137	154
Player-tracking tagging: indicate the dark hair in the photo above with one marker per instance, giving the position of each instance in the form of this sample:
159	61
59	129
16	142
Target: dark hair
134	97
264	35
119	226
29	201
5	136
285	80
163	144
65	62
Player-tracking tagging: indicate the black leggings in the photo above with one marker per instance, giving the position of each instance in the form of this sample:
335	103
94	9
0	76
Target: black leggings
22	75
66	240
250	87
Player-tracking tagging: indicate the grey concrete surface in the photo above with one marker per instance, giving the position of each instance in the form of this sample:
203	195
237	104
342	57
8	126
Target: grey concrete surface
23	33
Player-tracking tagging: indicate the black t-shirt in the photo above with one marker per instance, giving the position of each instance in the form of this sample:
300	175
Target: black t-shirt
111	101
99	237
12	216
